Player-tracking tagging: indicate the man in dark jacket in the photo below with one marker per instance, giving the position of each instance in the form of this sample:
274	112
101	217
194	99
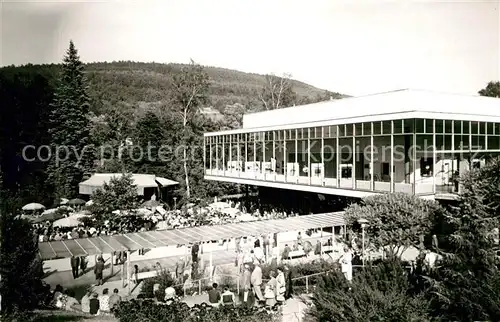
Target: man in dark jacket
75	264
98	270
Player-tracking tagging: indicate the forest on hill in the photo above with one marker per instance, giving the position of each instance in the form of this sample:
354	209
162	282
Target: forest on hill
105	104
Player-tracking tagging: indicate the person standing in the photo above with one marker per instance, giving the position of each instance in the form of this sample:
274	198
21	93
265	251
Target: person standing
265	244
75	263
289	282
280	286
246	283
345	261
270	290
256	281
98	270
83	263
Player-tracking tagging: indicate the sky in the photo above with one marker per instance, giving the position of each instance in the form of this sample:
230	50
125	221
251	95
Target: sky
354	47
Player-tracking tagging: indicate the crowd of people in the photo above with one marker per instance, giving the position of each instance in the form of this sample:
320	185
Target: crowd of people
91	302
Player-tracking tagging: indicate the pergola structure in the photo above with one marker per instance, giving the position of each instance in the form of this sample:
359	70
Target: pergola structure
183	236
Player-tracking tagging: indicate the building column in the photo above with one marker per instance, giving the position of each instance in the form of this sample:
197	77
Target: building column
309	154
414	155
296	175
354	157
322	155
273	167
337	161
262	170
372	174
217	154
285	155
128	272
239	155
204	157
230	154
254	155
223	155
434	156
392	157
211	155
246	136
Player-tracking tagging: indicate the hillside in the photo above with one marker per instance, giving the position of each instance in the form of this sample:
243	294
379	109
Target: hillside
134	82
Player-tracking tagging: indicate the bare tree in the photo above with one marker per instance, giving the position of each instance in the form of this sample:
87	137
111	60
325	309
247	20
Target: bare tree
277	92
190	93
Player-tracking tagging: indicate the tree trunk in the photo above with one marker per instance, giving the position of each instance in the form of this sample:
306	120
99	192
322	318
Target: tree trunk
186	173
188	190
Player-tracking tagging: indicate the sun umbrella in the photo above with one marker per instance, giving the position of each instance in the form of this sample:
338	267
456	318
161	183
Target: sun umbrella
71	221
144	212
33	206
150	204
76	201
49	215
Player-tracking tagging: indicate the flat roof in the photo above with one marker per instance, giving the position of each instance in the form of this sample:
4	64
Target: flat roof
399	104
97	181
167	237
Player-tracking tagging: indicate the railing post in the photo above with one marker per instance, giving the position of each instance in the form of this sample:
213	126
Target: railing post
307	285
238	285
199	286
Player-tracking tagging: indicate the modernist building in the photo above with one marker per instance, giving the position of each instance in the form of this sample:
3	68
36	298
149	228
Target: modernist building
408	141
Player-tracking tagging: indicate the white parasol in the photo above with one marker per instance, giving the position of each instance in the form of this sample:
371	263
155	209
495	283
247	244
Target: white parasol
33	206
71	221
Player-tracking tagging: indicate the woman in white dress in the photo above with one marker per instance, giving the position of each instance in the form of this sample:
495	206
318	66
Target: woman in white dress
345	261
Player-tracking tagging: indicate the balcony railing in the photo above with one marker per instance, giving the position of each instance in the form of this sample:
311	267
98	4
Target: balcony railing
318	181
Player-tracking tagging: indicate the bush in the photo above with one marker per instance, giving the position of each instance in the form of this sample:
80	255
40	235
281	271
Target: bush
165	280
378	293
148	311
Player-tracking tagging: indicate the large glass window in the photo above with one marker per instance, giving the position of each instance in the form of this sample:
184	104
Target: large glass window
457	127
377	128
439	126
465	127
429	126
408	126
386	127
419	126
448	126
358	129
349	129
367	128
398	126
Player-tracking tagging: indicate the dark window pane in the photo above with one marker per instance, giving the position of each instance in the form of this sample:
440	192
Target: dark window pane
475	142
408	126
429	126
482	142
398	126
465	127
447	142
358	129
493	142
326	131
497	128
448	126
482	127
348	129
439	126
367	128
377	128
342	130
419	126
318	132
291	134
465	142
490	127
474	127
333	131
458	142
439	142
386	127
457	127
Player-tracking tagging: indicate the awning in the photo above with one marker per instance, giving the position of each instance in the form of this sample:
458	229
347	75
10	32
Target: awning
159	238
166	182
142	181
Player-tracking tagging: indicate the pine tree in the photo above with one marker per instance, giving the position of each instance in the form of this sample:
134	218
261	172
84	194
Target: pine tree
70	128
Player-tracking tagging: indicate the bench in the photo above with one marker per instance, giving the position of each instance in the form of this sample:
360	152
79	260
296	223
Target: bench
296	253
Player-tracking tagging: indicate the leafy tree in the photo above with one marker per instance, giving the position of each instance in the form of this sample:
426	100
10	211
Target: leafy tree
395	221
466	286
377	294
20	267
491	90
190	93
70	127
120	193
277	92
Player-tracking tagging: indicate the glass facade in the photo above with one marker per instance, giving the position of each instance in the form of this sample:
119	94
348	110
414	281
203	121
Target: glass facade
416	156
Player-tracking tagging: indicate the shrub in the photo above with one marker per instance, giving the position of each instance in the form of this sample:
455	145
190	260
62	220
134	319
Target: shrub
148	311
377	294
